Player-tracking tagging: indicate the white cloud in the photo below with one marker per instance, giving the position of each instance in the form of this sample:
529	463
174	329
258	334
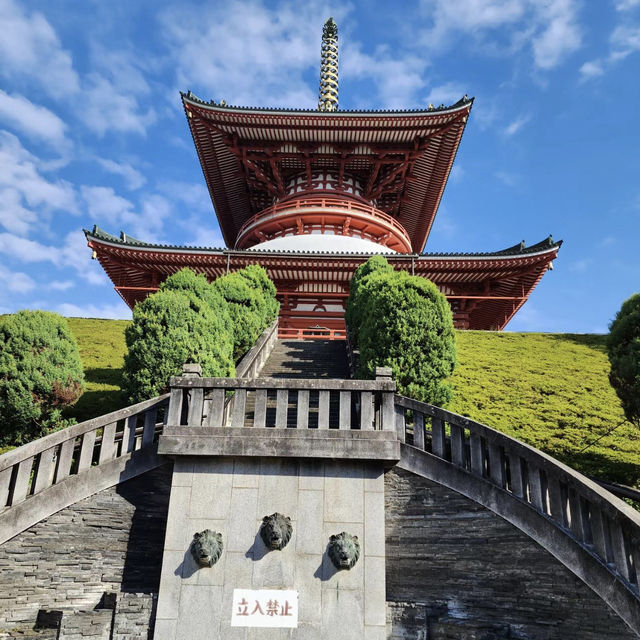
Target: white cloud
398	79
627	5
16	282
591	69
258	54
507	178
116	311
625	40
60	285
73	253
104	109
549	27
132	177
517	124
30	46
21	182
35	121
560	35
105	205
580	266
447	94
207	238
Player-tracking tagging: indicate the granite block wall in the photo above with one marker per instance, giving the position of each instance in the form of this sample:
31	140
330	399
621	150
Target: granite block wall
231	496
455	570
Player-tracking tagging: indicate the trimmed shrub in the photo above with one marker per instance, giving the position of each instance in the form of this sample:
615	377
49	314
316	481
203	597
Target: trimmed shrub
188	281
258	279
353	311
406	324
623	347
247	308
40	375
170	328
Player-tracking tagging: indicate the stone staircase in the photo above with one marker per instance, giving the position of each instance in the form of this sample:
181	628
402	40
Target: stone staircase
302	359
323	359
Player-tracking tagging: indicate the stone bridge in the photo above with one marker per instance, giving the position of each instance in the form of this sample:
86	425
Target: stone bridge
486	537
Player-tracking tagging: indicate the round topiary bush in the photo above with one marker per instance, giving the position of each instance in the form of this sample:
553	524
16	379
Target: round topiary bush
188	281
40	374
375	264
247	308
406	324
623	346
257	278
170	328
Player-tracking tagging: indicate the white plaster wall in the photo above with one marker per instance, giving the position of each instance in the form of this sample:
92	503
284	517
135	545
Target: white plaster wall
232	496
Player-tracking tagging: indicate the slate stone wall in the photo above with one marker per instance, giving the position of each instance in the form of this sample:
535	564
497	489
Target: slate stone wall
455	570
110	542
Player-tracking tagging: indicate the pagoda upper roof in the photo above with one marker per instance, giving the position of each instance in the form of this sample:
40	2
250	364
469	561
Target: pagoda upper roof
402	158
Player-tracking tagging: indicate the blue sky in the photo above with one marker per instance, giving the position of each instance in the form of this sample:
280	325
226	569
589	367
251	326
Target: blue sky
92	131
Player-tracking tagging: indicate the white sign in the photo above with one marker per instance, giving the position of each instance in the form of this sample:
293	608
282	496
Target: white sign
264	608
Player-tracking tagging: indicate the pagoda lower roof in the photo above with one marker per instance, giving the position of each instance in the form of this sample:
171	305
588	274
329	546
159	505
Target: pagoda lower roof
488	287
402	158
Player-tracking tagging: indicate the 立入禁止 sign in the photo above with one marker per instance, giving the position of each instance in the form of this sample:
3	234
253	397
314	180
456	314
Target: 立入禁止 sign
264	608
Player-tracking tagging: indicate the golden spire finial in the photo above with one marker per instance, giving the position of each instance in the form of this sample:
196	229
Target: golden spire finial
328	93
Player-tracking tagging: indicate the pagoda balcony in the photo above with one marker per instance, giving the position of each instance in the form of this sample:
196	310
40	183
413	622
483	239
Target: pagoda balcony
329	214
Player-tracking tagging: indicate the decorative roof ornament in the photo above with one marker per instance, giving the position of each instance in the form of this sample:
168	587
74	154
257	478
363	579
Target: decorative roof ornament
328	92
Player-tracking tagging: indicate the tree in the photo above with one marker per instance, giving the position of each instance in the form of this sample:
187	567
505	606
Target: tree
188	281
247	307
375	265
169	328
257	278
623	346
406	324
40	374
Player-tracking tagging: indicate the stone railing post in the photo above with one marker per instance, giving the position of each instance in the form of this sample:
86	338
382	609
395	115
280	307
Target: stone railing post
387	408
178	409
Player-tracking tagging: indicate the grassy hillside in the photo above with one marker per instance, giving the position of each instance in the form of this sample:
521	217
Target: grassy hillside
550	390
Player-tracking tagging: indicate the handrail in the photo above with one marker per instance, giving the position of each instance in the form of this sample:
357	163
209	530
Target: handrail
280	402
254	359
37	465
323	202
606	527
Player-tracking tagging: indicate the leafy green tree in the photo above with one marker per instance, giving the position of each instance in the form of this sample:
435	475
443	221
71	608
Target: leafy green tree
188	281
169	328
623	346
40	374
406	324
353	313
247	307
258	279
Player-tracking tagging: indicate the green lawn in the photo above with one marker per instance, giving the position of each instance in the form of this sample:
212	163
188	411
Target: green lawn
102	350
550	390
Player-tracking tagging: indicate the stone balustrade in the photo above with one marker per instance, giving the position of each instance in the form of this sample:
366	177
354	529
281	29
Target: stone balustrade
49	468
605	527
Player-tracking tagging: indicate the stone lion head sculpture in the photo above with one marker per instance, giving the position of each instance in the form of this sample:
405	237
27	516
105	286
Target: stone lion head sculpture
344	550
206	547
276	530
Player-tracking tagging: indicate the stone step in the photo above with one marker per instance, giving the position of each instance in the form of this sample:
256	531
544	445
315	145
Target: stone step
307	359
134	615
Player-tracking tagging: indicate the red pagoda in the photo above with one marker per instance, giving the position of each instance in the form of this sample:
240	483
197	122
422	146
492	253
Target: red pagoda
312	194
